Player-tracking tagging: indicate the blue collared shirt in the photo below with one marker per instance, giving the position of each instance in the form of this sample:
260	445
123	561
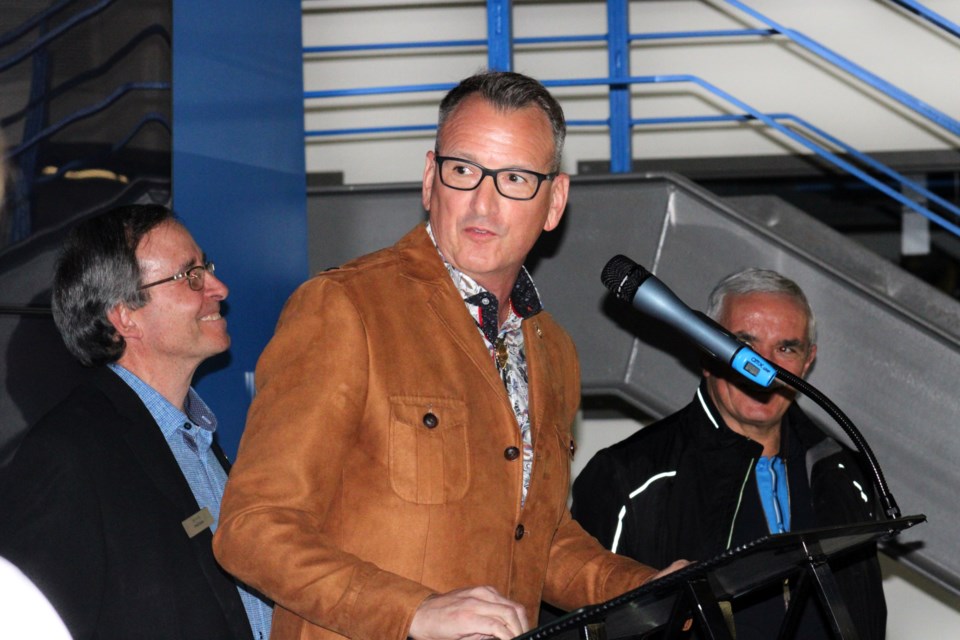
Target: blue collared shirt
189	434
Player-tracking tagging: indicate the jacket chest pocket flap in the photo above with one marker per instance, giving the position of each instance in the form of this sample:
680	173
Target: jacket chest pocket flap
429	457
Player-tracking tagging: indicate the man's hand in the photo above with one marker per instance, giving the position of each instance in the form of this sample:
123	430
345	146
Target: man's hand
676	564
474	613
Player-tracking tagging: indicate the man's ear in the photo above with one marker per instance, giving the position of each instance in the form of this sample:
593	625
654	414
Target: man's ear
559	191
428	173
122	318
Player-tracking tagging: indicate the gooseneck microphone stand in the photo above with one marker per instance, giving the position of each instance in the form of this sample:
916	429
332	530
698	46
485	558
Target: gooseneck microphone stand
796	382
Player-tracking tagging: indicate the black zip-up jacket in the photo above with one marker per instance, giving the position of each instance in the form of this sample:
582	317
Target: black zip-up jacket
685	487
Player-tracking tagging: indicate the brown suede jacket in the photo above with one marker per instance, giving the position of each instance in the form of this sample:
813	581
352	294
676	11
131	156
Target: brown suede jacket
373	470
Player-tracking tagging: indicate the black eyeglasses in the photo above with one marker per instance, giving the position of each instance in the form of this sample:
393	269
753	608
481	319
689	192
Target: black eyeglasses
194	276
515	184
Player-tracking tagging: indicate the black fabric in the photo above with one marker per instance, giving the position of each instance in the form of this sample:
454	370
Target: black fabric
93	503
691	514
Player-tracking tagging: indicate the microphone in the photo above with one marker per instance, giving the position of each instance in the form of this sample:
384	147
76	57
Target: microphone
634	284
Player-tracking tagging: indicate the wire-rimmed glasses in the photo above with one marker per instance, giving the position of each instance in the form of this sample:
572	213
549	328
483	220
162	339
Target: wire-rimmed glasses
193	275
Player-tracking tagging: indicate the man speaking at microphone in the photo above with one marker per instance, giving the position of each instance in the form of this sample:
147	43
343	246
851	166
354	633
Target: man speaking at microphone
738	463
404	471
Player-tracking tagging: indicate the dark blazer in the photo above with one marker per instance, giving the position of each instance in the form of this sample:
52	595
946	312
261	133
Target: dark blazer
91	510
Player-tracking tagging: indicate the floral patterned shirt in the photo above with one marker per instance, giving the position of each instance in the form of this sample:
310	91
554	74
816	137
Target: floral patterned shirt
505	344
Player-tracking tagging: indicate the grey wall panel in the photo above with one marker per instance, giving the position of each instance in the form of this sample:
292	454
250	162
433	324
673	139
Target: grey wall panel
346	222
889	347
36	371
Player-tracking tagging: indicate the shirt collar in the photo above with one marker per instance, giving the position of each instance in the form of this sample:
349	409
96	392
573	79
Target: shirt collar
524	298
168	417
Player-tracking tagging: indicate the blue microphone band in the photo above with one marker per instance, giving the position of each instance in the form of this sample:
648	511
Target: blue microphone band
753	367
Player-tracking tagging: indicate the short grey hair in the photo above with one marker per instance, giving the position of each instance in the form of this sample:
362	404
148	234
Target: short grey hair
96	270
507	91
755	280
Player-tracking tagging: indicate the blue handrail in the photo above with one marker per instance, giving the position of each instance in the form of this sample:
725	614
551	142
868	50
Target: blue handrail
32	23
772	123
598	37
932	16
875	81
49	27
92	160
619	80
55	33
81	114
771	120
88	74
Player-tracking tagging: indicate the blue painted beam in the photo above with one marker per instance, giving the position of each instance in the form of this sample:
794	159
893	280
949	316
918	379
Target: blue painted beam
618	63
239	178
499	35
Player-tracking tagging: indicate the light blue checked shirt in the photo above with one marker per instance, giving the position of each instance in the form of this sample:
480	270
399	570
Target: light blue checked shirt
190	435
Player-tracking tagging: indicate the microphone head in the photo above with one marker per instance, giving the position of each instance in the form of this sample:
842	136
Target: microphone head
623	277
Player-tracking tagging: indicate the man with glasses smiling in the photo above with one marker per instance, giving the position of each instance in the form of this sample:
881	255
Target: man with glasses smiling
405	466
110	503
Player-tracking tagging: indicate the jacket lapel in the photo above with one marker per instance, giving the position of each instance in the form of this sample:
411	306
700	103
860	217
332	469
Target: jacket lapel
422	263
143	437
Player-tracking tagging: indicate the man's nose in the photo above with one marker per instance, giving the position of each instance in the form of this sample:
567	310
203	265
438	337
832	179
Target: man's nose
214	286
486	196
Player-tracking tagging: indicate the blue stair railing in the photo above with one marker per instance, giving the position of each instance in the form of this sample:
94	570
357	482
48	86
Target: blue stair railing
868	77
620	122
930	15
36	127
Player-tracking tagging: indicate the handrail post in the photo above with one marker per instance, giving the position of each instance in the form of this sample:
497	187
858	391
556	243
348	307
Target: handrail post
618	51
499	35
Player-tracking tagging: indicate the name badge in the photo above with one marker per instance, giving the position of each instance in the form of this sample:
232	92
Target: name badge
200	521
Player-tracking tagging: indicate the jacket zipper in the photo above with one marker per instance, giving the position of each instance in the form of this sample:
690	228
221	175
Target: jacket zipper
736	511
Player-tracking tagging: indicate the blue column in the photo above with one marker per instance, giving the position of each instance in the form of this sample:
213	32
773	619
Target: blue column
618	50
499	35
238	173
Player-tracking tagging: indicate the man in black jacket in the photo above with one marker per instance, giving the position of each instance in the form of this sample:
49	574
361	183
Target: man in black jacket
110	501
739	463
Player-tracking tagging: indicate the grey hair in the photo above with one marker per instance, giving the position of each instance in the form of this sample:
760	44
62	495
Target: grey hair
97	269
755	280
507	91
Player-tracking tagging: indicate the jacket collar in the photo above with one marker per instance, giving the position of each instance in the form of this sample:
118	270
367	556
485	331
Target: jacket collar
420	261
797	430
143	437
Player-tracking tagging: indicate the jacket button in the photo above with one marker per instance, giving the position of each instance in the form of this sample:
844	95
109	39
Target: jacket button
430	420
511	453
519	532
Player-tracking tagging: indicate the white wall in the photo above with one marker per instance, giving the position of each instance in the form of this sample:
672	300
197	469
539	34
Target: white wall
770	75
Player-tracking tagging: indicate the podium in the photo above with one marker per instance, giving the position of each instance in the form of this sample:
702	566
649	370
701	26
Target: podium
694	593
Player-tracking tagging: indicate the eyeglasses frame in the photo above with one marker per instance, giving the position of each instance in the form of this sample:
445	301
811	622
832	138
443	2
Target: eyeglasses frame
493	173
205	268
